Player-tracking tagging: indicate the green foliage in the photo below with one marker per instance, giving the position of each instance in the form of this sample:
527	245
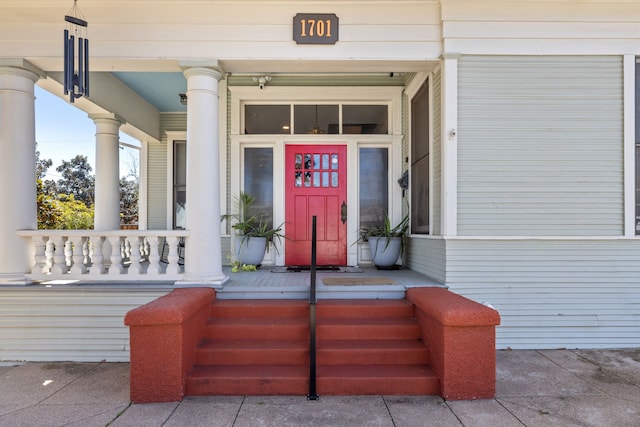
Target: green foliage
383	228
77	179
128	201
75	214
252	225
237	266
49	214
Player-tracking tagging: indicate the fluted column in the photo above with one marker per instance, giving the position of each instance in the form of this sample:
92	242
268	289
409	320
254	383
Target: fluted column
107	196
203	247
17	174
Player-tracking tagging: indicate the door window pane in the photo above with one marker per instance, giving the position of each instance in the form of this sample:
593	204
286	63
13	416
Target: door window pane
267	119
374	185
258	180
361	119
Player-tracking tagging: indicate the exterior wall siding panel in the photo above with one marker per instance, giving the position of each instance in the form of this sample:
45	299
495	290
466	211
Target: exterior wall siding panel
79	324
553	293
540	146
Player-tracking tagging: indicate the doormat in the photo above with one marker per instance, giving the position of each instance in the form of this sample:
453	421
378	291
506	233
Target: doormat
352	281
323	269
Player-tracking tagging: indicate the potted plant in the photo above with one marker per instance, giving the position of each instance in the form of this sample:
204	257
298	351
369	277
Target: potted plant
254	231
386	242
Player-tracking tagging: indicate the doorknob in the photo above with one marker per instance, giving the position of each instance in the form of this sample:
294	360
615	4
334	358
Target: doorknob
343	212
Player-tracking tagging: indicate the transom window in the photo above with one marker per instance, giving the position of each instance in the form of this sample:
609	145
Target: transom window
316	119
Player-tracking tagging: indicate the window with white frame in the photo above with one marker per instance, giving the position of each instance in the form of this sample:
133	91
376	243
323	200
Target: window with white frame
258	180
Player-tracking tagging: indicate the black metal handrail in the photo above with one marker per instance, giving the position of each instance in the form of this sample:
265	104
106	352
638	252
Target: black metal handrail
313	395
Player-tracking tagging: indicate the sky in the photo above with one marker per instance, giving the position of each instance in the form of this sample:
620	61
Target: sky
64	131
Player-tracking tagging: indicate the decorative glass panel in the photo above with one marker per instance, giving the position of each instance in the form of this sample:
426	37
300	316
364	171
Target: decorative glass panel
298	161
298	182
334	179
307	161
325	161
334	161
307	179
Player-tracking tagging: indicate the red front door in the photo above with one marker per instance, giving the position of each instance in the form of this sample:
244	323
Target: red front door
316	184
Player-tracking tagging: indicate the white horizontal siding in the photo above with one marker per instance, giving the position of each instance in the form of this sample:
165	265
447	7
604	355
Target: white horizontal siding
541	27
540	146
553	293
258	30
73	323
427	256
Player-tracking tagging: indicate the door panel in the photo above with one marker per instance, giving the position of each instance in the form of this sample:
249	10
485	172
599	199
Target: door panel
315	185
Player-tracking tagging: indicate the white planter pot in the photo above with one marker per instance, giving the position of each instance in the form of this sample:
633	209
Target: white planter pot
383	254
251	250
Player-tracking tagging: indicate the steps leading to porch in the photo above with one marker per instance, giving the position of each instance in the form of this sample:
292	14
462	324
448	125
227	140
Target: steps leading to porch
261	347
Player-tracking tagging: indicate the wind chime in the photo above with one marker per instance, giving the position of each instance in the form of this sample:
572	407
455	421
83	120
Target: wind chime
76	54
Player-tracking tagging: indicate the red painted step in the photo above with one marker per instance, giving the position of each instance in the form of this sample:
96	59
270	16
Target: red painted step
261	347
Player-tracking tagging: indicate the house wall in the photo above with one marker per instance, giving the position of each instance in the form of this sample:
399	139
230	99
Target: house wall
540	146
572	292
79	323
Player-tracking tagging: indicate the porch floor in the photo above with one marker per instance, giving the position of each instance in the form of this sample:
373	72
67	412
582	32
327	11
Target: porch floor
358	282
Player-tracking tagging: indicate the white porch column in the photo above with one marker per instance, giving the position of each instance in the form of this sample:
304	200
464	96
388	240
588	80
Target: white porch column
107	197
203	247
17	174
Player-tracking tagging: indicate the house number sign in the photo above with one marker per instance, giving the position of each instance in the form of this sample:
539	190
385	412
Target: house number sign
315	28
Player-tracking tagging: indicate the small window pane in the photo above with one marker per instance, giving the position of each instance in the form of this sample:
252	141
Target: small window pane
298	182
316	161
316	179
334	161
334	179
298	161
365	119
325	161
315	119
325	179
307	179
307	161
267	119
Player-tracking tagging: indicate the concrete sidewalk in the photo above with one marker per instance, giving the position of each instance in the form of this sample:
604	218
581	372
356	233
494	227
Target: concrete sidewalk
534	388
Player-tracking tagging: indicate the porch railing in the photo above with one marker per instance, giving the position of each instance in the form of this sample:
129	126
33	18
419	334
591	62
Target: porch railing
106	255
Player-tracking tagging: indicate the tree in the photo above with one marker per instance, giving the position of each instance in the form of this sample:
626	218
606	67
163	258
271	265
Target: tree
128	201
77	180
75	214
49	214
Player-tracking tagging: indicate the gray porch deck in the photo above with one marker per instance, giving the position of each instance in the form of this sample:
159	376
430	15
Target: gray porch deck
279	282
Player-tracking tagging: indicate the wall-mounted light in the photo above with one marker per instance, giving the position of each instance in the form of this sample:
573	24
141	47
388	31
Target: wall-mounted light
262	81
183	98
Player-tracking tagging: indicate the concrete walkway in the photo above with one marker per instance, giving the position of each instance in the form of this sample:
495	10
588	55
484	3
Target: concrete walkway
534	388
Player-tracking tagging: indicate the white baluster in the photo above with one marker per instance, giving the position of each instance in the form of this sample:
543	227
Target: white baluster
97	259
40	257
116	267
77	246
172	258
135	268
154	255
68	253
49	252
59	265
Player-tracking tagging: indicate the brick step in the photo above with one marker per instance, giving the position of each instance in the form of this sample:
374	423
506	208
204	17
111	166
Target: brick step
369	328
257	328
260	308
377	379
372	352
253	352
362	309
253	380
